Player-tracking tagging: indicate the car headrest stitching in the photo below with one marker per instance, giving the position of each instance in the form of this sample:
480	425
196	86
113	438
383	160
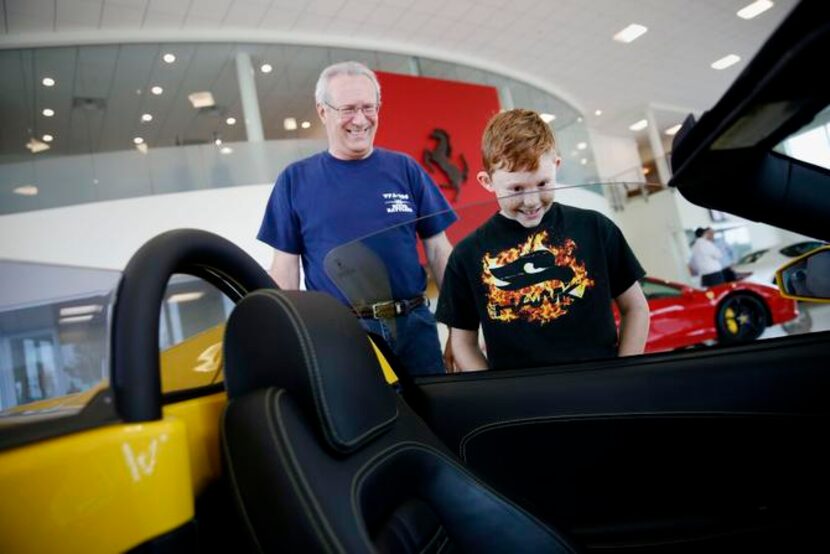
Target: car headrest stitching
311	368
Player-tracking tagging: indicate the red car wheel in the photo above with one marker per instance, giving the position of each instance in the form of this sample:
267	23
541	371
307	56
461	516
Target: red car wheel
741	318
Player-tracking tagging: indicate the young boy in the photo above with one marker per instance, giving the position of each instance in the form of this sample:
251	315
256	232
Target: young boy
538	276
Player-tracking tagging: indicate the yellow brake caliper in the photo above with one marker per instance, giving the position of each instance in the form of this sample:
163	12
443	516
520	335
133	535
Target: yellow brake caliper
731	321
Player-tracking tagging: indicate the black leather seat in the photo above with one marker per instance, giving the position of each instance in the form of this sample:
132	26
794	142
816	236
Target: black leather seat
323	455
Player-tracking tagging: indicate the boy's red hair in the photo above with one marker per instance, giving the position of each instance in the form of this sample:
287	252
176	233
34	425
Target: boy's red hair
515	140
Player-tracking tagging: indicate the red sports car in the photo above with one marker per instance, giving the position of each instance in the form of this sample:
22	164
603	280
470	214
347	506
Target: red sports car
735	312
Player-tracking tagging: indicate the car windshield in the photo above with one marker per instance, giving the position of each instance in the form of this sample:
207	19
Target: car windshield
511	277
800	248
752	256
811	143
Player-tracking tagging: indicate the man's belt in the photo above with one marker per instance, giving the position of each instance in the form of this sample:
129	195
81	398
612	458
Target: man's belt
388	309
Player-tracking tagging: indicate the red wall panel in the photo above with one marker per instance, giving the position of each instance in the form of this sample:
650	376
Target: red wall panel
413	107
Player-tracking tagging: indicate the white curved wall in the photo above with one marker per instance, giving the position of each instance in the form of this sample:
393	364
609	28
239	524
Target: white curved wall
106	234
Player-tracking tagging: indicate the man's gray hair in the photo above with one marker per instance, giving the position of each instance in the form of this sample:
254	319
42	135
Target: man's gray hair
343	68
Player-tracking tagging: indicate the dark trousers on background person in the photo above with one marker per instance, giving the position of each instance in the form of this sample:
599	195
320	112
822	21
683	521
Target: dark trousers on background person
712	279
413	338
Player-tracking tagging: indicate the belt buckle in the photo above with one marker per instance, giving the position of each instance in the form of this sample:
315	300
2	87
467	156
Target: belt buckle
384	310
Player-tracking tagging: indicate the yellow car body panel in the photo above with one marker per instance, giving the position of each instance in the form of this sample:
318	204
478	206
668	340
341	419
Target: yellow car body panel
388	372
193	363
201	419
104	490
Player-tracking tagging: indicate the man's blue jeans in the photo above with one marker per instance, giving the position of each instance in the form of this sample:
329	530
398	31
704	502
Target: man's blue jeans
414	340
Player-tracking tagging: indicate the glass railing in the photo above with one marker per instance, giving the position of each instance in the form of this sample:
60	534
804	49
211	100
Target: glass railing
70	180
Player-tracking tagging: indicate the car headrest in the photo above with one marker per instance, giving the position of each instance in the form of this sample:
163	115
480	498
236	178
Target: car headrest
311	345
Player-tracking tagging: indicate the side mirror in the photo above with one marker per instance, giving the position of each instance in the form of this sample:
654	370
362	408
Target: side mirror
807	277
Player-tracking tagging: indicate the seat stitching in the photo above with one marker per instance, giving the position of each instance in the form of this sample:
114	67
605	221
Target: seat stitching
295	466
355	511
313	369
235	487
433	539
443	544
382	457
308	357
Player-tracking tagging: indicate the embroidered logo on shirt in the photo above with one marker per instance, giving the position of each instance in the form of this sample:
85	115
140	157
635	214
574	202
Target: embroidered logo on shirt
536	281
397	202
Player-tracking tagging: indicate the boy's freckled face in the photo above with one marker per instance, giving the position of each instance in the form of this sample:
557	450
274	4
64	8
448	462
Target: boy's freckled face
524	196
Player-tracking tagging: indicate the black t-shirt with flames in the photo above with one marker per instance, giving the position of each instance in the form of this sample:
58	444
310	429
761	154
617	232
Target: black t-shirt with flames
543	295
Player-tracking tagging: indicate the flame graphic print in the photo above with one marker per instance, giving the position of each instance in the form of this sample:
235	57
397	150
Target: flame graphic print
535	281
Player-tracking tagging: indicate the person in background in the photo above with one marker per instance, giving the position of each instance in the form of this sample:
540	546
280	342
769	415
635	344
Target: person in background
538	277
707	258
353	190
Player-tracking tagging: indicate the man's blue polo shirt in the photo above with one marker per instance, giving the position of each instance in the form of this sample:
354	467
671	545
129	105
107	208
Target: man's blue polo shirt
322	202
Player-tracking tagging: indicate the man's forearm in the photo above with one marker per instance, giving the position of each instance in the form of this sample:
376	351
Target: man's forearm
438	250
285	270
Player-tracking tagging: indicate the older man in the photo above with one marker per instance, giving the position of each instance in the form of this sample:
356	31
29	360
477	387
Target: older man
343	194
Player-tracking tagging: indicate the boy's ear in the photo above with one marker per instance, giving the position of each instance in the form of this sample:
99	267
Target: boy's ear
484	180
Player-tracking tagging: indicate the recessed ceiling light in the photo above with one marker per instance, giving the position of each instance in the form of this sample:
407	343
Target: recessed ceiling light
584	161
48	112
289	123
86	309
218	142
226	150
75	319
156	90
202	99
582	146
672	130
36	146
631	33
147	118
231	121
266	68
756	8
547	117
169	58
597	113
48	138
26	190
48	82
726	61
639	126
185	297
138	140
305	124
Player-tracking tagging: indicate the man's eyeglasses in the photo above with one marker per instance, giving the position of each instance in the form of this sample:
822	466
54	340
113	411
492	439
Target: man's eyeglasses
347	112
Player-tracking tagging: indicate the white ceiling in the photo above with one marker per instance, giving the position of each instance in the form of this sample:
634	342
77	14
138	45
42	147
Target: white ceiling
562	46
